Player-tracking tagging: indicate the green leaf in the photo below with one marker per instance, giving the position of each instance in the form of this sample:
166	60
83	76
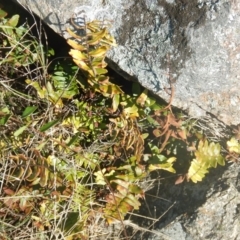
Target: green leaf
133	188
209	154
75	45
99	52
100	71
158	161
96	37
5	110
132	201
41	92
100	177
19	131
50	52
71	220
48	125
138	171
131	112
145	135
142	98
28	111
150	102
152	121
59	78
41	145
197	171
4	119
53	95
164	166
13	21
156	150
233	145
73	139
115	102
2	14
78	55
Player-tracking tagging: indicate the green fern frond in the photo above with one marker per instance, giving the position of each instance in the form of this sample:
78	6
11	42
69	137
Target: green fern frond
207	156
197	171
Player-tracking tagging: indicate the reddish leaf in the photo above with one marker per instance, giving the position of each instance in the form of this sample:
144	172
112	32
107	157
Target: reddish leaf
9	191
38	225
180	179
172	120
182	134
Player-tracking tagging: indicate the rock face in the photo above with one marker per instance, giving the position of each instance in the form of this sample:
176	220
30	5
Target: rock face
197	42
208	210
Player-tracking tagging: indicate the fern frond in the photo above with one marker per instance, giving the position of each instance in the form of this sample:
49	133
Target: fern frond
207	156
197	171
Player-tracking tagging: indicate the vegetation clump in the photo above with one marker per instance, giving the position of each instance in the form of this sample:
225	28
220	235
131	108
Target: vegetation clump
74	146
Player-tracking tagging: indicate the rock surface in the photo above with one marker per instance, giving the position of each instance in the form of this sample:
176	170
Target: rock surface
197	42
208	210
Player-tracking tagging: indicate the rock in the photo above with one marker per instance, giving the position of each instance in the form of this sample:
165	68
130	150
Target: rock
195	42
207	210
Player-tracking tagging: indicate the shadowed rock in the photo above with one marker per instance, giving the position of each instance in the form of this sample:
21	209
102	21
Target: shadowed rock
196	41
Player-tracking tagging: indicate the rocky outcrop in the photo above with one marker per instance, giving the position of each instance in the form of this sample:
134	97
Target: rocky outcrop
208	210
196	42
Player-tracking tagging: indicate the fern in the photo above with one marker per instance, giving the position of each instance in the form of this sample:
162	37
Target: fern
124	200
65	80
207	156
35	170
233	146
88	52
197	171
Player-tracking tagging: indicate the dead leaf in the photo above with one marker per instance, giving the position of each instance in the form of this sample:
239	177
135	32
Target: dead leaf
9	191
182	134
173	121
180	179
157	132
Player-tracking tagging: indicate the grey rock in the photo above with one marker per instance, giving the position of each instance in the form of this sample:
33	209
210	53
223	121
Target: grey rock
196	42
207	210
174	231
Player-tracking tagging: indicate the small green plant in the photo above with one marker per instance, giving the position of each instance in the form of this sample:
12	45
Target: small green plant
206	156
